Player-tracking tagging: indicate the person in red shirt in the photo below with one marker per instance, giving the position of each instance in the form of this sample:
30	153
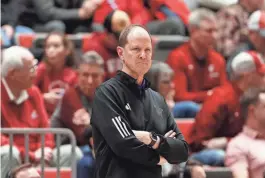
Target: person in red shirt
55	73
198	68
22	106
75	109
105	43
154	14
220	118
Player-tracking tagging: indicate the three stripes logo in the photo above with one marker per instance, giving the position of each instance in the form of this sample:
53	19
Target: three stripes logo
121	126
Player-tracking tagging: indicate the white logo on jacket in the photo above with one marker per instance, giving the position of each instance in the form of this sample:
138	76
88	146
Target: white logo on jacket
34	114
128	107
121	126
212	72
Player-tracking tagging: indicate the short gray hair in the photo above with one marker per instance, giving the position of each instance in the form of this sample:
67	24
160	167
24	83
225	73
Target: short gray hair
157	69
13	58
199	15
92	58
250	97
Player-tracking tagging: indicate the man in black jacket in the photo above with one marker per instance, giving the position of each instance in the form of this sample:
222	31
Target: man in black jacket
134	132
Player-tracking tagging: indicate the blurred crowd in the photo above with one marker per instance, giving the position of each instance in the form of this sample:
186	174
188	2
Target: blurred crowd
217	77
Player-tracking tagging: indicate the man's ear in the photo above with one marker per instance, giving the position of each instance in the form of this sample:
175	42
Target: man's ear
11	73
192	28
120	52
251	110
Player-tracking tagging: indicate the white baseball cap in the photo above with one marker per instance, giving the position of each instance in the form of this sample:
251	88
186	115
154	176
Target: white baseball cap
246	62
256	22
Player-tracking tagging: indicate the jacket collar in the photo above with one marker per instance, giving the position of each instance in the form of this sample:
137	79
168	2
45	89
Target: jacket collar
22	97
131	82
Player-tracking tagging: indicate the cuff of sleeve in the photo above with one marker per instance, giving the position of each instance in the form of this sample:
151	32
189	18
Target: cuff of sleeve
88	132
163	143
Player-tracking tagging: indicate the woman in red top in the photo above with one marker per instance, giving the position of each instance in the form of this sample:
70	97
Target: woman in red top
55	73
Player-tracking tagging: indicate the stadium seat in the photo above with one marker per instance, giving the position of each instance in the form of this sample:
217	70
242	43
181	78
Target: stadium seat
185	125
37	40
220	172
25	40
85	42
165	44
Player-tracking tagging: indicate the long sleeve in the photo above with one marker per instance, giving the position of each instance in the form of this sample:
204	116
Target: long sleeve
208	121
175	150
223	73
109	119
46	11
180	80
11	12
70	104
237	158
49	142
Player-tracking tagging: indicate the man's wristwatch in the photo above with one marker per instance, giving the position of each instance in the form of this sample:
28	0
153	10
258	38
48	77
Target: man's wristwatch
153	137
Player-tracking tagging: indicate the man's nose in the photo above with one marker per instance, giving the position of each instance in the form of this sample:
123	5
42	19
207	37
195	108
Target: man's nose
142	55
90	80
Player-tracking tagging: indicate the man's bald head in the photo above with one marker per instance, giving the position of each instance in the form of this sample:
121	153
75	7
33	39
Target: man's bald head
132	31
119	21
116	21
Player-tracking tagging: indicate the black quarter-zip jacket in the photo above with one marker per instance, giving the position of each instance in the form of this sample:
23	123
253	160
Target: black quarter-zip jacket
121	106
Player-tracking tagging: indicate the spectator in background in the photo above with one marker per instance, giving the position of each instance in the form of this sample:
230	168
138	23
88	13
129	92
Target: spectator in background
105	43
219	119
24	171
22	106
10	13
160	76
70	16
245	153
198	68
159	16
166	17
256	35
232	25
55	73
75	109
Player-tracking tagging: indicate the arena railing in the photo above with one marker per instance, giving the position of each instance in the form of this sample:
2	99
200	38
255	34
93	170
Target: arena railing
42	131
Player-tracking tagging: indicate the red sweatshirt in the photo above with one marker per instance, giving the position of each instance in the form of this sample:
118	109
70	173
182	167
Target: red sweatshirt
177	6
112	61
140	14
192	80
30	114
70	104
219	117
135	10
45	78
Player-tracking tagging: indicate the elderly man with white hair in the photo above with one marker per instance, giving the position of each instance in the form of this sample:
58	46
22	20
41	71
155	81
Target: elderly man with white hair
22	106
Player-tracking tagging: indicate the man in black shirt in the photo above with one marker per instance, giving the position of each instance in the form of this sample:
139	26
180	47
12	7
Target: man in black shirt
133	129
